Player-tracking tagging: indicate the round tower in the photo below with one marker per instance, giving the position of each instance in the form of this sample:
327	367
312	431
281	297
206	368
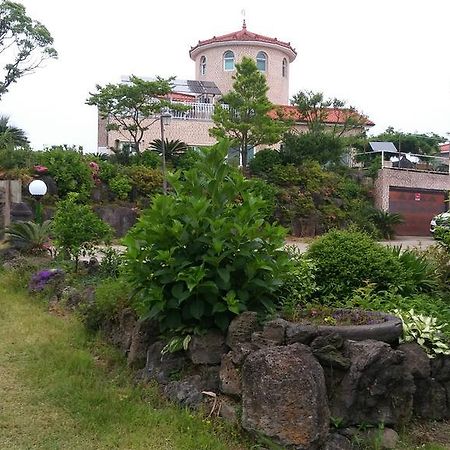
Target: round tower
215	60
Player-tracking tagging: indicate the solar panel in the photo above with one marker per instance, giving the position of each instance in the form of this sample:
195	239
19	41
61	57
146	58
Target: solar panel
383	146
187	86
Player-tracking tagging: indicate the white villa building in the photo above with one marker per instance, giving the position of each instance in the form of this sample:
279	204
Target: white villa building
215	60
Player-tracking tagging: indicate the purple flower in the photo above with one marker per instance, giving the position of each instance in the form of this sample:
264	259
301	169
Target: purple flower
40	279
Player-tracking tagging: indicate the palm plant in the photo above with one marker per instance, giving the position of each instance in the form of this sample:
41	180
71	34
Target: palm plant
421	274
10	135
29	236
386	222
173	149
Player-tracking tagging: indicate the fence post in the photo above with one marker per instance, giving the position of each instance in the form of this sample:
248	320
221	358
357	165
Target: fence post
7	204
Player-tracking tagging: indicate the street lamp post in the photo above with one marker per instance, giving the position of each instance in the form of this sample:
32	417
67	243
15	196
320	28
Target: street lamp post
165	118
37	188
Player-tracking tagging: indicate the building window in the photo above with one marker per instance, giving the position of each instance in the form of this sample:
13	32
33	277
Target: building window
261	61
228	60
284	68
203	65
126	147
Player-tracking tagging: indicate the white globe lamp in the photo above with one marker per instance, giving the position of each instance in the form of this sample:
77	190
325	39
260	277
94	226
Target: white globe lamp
37	188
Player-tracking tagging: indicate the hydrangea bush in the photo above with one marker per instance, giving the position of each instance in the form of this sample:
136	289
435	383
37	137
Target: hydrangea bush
205	253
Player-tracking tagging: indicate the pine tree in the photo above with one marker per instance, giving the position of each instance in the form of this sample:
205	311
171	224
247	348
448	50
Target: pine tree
243	115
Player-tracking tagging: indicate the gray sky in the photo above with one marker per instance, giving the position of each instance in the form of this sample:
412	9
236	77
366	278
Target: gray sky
389	58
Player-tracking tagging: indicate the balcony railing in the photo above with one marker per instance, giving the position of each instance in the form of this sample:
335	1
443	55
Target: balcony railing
196	111
401	161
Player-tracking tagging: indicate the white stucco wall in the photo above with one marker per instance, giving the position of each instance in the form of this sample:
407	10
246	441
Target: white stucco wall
278	85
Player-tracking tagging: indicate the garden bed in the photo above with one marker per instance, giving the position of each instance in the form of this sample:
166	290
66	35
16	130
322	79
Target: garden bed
354	324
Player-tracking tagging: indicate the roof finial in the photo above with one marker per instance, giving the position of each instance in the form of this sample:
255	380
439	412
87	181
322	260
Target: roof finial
244	25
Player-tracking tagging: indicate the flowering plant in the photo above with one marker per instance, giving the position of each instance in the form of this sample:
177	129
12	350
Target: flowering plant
95	170
40	169
42	278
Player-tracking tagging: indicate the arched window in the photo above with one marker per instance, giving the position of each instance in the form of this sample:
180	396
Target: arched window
284	68
261	61
228	60
203	65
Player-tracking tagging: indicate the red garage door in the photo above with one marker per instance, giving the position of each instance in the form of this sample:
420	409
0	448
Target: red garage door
417	208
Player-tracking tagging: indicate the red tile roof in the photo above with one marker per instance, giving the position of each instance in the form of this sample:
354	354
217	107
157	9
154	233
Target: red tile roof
333	115
245	35
444	147
179	97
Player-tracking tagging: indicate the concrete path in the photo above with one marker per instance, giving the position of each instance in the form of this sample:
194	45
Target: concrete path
421	242
302	244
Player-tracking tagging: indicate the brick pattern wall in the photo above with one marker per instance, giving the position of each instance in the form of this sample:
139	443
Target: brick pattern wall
193	132
102	133
406	179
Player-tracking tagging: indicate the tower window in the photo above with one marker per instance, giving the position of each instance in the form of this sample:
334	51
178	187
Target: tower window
284	68
261	61
228	60
203	65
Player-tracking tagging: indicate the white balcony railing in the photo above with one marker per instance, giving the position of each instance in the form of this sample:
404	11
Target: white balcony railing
196	111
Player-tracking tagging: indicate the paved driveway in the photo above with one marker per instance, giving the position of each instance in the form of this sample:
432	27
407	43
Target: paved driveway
421	242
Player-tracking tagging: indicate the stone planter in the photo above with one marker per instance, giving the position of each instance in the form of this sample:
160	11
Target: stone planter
388	331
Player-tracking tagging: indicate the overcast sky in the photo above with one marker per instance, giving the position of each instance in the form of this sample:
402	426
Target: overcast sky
389	58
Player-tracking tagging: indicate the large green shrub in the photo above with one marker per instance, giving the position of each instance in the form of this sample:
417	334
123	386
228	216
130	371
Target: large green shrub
263	162
69	169
120	186
15	158
200	256
77	228
347	260
145	180
147	159
323	147
107	171
268	192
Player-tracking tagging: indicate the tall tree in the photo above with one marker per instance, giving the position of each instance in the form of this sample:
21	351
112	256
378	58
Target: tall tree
10	135
330	115
332	127
24	42
131	107
243	113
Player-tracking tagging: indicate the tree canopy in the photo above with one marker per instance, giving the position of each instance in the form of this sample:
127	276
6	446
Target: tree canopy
314	109
130	108
332	126
10	135
420	143
25	43
243	113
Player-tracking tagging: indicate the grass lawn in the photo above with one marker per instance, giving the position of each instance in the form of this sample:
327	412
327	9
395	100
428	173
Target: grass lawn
60	390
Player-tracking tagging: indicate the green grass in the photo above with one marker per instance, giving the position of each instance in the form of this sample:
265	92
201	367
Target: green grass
61	390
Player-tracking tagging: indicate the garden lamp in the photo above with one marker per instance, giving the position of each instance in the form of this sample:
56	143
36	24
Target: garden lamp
164	118
37	188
